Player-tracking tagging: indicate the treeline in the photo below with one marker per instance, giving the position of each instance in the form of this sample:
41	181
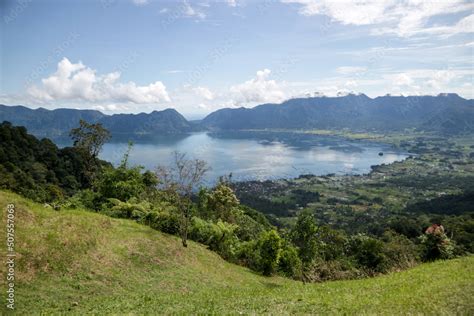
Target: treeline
172	200
38	169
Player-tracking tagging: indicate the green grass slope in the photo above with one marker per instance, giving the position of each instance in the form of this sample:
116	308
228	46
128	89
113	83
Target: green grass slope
74	261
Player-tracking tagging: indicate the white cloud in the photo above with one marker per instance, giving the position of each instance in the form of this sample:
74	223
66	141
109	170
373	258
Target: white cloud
428	81
258	89
349	70
204	92
465	25
174	71
189	11
79	82
140	2
403	18
231	3
402	79
354	12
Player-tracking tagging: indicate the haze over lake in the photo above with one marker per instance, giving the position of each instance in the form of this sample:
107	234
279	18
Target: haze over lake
260	156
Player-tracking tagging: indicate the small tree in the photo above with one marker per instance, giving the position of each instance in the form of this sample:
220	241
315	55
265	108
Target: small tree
290	263
89	139
435	244
181	179
270	250
304	236
220	202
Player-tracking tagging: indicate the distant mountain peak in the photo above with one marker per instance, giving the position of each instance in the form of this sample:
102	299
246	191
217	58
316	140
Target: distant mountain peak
449	95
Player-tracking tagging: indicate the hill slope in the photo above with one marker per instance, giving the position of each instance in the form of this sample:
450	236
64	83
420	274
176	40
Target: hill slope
82	262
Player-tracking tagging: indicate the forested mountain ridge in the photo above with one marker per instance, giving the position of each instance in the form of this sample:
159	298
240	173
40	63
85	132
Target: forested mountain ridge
57	123
448	113
47	123
444	113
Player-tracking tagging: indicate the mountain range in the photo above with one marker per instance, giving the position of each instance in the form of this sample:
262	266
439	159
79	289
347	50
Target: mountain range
445	113
56	124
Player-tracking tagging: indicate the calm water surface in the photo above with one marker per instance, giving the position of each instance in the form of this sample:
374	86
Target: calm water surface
260	156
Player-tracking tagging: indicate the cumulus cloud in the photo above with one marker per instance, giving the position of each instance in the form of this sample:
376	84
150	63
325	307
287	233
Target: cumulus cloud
402	79
424	81
204	92
79	82
258	89
403	18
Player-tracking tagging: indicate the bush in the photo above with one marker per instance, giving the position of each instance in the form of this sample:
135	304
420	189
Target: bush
304	236
86	199
331	243
164	221
220	236
368	252
270	249
131	209
435	244
120	183
249	254
401	252
342	269
290	264
248	228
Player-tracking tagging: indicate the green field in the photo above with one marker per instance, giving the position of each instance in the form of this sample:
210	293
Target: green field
81	262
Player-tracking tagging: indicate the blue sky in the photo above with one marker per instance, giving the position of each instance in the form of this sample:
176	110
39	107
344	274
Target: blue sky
198	56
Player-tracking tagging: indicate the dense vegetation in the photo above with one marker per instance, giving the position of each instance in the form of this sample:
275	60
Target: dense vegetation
312	245
38	169
80	262
433	186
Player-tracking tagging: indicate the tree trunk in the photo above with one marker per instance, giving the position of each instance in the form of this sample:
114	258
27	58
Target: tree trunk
184	228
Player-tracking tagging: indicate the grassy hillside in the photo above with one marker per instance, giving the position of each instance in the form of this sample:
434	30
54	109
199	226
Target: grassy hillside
81	262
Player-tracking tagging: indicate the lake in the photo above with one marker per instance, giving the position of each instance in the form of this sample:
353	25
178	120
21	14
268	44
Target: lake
260	156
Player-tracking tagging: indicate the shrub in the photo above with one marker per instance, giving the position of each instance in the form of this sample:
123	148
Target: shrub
120	183
331	243
435	244
249	254
290	264
248	228
270	249
401	252
164	221
131	209
304	236
368	252
220	236
342	269
86	198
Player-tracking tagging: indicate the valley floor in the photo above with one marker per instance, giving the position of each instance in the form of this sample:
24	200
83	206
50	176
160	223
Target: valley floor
80	262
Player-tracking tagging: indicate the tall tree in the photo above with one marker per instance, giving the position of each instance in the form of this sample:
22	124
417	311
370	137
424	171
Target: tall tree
182	178
90	137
